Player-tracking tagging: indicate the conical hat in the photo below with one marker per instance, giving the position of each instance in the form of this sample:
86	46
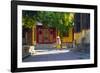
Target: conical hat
58	37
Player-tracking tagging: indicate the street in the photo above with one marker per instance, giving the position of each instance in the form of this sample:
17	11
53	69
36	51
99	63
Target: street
56	55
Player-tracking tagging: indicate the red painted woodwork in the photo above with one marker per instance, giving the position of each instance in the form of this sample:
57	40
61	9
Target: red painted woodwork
45	35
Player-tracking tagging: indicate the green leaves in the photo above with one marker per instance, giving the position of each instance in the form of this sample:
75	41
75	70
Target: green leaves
62	21
28	22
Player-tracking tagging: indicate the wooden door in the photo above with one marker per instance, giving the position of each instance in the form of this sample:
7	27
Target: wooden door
45	35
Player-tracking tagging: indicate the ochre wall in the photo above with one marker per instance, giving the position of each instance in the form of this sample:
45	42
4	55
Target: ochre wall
68	38
84	33
77	37
34	35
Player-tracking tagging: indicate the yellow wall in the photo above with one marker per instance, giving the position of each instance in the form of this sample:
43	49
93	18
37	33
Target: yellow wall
78	36
33	35
75	36
70	37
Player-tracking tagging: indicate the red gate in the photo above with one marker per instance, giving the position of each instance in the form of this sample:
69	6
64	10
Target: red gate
45	35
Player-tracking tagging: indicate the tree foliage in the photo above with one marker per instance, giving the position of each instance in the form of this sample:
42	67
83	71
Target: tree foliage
28	20
62	21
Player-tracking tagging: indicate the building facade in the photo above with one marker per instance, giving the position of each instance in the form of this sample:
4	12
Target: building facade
43	35
82	27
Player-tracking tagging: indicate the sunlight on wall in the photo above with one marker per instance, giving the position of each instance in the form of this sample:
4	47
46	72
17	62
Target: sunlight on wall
84	33
70	36
33	35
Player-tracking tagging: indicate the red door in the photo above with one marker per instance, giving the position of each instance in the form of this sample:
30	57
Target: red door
45	35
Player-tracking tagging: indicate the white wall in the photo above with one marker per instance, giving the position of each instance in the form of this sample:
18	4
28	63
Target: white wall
5	50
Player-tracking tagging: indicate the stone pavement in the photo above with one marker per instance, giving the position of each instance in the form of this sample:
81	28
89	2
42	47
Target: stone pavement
53	55
44	52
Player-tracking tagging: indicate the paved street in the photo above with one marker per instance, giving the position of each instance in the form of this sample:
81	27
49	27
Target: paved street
56	55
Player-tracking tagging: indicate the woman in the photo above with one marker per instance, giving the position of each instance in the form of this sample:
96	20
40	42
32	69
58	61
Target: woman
58	42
